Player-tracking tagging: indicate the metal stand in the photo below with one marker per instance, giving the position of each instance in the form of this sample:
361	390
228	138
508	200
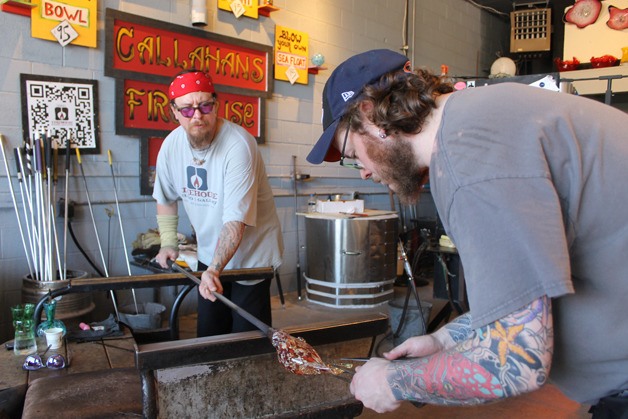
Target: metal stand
296	210
280	289
411	290
453	305
609	83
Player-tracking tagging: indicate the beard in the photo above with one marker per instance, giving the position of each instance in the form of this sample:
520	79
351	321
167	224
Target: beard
201	135
397	166
200	138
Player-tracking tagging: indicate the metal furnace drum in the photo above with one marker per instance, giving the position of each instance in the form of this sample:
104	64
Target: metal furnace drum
351	262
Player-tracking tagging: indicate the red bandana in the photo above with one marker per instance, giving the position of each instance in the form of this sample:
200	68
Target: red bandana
189	83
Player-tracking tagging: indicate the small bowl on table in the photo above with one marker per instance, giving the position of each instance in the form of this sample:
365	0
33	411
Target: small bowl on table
604	61
566	65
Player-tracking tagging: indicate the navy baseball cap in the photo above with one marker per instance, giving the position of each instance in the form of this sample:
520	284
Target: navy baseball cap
343	86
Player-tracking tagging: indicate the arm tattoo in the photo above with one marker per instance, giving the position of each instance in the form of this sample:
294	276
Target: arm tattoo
506	358
459	328
228	242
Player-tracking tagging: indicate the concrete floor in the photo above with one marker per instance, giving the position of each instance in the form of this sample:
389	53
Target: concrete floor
548	402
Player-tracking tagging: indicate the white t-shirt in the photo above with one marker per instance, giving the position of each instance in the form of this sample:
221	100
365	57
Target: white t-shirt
231	185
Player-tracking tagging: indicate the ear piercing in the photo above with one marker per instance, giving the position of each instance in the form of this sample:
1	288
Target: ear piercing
382	134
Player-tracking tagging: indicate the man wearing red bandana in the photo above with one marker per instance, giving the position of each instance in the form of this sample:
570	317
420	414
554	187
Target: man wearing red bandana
215	168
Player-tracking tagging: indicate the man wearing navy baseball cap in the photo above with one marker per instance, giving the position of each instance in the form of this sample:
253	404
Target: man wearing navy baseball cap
517	174
343	87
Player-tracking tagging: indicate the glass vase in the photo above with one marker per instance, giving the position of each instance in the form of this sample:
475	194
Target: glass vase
24	342
50	322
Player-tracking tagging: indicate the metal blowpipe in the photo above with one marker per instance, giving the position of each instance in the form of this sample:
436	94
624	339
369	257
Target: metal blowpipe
268	331
17	214
36	221
126	254
91	213
66	208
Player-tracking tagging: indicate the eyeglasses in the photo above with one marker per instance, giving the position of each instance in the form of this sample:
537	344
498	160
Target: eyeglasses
188	111
354	164
34	362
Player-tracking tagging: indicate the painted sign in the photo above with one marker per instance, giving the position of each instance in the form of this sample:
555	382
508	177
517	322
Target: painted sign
147	49
248	8
291	55
144	108
66	21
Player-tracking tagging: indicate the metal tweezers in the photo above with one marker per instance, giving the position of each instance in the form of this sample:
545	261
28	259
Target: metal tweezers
346	367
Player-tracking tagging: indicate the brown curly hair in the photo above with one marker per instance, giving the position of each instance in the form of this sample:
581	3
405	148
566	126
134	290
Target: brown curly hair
402	101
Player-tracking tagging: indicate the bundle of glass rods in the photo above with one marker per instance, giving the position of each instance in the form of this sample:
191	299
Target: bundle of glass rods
37	179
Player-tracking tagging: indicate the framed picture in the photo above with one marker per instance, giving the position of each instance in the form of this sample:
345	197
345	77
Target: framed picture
149	149
61	108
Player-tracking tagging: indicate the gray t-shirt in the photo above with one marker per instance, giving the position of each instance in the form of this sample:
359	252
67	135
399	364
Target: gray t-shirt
230	186
532	187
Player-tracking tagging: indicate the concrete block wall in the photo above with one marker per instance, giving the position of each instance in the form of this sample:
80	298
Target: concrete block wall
451	32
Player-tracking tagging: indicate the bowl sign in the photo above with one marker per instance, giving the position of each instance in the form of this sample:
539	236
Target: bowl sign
64	33
58	11
70	21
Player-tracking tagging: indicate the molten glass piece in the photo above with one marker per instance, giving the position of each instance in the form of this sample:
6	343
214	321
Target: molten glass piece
298	357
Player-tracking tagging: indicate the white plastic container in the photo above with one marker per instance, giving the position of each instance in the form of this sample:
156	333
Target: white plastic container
351	207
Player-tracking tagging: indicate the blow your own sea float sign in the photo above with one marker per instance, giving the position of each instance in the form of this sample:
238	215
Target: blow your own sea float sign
291	55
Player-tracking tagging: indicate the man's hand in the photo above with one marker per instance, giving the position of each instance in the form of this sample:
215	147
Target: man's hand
210	283
418	346
370	383
228	242
370	386
166	253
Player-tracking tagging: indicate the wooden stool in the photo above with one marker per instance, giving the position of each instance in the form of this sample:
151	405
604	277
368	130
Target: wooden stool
108	393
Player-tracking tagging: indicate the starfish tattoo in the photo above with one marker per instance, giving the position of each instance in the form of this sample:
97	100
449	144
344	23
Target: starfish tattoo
506	338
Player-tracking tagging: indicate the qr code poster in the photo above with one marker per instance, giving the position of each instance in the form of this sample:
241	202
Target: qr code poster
61	108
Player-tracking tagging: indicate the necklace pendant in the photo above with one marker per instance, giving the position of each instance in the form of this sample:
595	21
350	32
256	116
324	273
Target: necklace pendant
198	161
